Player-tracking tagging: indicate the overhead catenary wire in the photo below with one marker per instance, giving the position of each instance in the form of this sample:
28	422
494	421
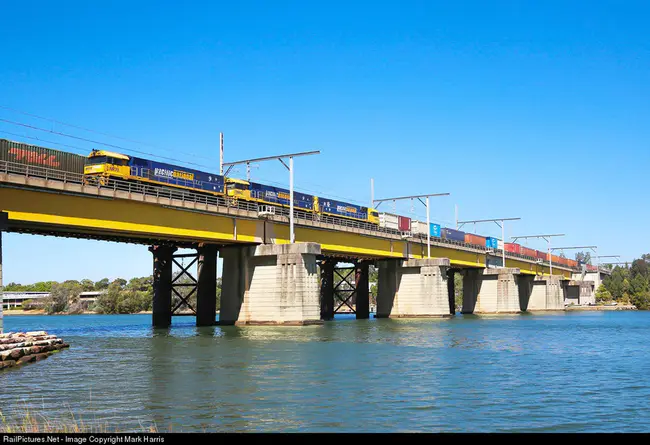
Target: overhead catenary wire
25	113
46	141
99	142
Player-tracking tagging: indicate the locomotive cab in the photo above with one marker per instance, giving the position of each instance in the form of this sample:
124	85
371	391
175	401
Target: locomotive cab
373	216
237	188
106	163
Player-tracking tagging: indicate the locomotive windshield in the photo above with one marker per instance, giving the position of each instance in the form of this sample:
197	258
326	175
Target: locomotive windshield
96	160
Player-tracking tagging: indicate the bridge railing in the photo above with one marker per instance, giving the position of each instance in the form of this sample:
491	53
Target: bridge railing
182	195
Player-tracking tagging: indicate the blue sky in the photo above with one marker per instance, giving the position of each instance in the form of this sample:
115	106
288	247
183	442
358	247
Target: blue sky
538	111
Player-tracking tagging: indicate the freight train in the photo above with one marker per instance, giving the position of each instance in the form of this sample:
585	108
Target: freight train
101	166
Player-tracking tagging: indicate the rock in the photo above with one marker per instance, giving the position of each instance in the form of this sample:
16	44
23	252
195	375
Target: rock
39	357
35	350
7	364
5	355
26	359
35	333
17	353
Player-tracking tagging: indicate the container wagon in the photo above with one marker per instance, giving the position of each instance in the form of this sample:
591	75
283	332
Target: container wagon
525	251
476	240
512	248
40	159
541	255
389	221
453	235
419	227
404	223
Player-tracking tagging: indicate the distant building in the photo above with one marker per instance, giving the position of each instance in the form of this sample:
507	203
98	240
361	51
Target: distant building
90	296
12	300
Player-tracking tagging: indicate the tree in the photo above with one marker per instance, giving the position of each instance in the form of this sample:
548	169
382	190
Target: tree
583	257
458	290
603	295
102	284
87	285
63	296
120	281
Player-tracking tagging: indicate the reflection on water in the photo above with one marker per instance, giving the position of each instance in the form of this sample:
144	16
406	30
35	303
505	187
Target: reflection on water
551	372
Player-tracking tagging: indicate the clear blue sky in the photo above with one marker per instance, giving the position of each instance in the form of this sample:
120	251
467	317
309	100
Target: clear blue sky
536	111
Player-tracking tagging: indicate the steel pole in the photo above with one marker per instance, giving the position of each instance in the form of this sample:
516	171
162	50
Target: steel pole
248	171
503	236
550	257
291	236
372	193
428	231
221	154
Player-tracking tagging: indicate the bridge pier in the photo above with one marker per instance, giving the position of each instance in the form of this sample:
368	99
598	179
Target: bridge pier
545	293
327	289
361	279
1	288
413	288
162	285
579	292
488	291
206	294
270	284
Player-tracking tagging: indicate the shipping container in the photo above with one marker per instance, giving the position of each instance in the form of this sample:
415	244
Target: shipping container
454	235
491	243
434	230
572	263
476	240
419	227
389	221
404	223
499	244
339	208
175	175
541	255
525	251
512	248
40	157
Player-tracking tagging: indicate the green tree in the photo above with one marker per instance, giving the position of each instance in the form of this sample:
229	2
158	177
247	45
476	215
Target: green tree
102	284
63	297
458	291
87	285
603	295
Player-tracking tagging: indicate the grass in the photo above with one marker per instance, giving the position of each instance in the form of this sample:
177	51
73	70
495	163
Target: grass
28	422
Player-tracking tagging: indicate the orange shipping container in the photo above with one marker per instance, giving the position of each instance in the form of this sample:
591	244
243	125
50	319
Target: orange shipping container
475	239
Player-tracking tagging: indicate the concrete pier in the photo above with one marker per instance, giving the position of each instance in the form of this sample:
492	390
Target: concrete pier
162	285
206	295
270	284
1	286
413	288
546	293
579	292
491	291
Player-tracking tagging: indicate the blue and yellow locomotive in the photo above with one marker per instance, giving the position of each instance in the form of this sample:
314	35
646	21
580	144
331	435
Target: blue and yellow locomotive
102	166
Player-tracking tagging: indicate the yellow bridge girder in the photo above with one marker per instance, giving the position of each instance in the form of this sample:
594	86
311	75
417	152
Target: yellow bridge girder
74	214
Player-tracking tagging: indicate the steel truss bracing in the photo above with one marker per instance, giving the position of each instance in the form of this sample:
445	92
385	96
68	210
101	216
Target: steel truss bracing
180	285
345	289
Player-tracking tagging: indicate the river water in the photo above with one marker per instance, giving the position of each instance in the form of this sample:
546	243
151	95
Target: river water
567	372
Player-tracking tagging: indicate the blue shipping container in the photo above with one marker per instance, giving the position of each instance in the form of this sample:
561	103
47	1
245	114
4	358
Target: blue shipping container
277	195
434	230
342	208
455	235
491	243
175	175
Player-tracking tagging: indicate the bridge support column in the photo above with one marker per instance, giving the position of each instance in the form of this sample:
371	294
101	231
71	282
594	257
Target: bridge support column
546	294
206	295
1	288
162	285
327	289
270	284
491	291
579	292
361	279
413	288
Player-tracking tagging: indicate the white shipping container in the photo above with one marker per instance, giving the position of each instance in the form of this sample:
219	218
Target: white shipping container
499	244
419	227
389	221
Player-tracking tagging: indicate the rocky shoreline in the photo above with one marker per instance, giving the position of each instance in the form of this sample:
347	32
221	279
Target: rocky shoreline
17	348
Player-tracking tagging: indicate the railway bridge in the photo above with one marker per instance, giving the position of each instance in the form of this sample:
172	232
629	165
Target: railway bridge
266	278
